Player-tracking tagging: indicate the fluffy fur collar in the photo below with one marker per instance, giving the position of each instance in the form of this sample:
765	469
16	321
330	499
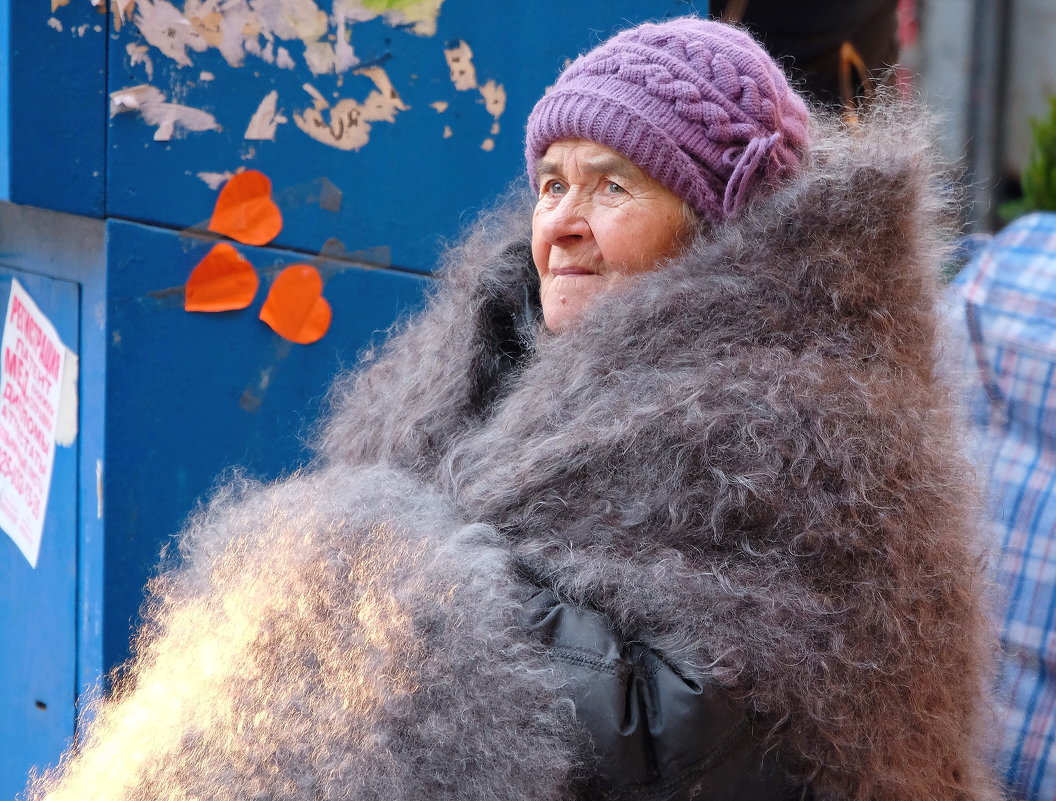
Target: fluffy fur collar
744	459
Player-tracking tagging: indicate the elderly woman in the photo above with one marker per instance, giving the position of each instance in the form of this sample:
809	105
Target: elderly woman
658	500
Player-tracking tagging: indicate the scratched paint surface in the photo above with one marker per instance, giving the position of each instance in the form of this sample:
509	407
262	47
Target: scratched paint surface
410	112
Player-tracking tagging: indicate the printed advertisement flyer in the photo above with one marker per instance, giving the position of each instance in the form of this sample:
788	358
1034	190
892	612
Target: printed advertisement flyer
31	355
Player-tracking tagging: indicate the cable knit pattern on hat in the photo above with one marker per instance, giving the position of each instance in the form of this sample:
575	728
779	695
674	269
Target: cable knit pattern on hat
697	104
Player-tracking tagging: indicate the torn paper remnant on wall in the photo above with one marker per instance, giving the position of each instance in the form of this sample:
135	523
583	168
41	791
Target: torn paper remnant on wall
156	110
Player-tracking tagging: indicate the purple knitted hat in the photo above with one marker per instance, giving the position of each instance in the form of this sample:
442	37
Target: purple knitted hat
697	104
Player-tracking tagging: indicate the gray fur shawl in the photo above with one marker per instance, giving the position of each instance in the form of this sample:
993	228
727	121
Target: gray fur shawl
744	460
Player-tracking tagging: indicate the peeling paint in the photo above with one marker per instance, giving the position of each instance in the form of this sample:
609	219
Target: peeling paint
284	60
459	57
177	34
266	118
214	180
323	58
320	58
57	4
140	54
55	23
208	26
120	11
346	124
420	15
494	95
265	54
238	27
292	19
164	27
231	25
66	414
322	33
151	103
344	56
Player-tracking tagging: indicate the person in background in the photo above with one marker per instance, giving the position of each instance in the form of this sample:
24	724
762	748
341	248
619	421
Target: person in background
659	498
1003	308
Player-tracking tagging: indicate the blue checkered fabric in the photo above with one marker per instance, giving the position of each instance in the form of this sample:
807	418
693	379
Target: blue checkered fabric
1007	295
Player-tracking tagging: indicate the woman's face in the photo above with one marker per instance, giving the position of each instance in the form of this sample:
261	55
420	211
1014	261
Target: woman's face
599	221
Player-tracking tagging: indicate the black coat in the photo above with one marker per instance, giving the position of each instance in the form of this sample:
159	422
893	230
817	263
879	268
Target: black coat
651	731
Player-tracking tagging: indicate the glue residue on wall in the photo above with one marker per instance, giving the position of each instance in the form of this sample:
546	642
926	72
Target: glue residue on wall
346	124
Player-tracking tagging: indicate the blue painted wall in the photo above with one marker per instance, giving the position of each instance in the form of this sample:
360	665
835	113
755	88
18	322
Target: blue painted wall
191	395
168	401
38	658
54	110
5	101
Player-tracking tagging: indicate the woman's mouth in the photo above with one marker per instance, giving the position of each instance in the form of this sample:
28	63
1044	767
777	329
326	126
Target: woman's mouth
573	270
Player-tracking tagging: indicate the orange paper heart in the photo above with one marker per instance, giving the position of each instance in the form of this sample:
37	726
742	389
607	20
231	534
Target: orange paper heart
222	281
295	308
244	210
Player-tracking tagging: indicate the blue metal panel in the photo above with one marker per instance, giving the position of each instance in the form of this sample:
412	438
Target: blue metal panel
53	110
5	99
189	394
71	248
38	623
408	187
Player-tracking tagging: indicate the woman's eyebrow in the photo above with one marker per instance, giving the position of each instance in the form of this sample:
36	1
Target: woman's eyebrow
543	167
611	165
602	165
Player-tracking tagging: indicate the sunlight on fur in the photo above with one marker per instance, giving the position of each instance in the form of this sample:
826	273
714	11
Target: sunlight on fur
271	655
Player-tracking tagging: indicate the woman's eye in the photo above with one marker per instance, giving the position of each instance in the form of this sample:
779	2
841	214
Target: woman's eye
615	188
554	188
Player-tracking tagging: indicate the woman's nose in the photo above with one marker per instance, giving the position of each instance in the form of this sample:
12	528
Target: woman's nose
567	222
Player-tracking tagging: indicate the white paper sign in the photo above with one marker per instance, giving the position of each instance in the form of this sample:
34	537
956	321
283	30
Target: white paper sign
31	361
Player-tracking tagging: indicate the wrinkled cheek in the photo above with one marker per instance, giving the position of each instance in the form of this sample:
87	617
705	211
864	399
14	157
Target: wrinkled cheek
540	248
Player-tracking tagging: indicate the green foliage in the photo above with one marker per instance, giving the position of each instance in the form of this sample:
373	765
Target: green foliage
1039	176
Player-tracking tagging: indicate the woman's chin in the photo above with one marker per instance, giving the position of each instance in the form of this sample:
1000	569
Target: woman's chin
566	298
561	313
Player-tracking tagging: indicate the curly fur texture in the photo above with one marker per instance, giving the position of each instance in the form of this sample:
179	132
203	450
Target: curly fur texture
322	640
744	460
